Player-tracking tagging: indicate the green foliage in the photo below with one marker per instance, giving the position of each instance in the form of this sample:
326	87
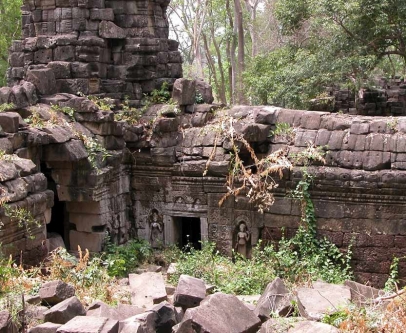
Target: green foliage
283	131
122	260
94	150
249	276
66	110
159	96
300	259
23	218
393	279
35	120
104	104
335	318
10	28
129	114
199	98
7	107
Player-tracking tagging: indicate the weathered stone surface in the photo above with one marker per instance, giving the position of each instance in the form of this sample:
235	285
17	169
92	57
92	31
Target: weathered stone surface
5	323
125	311
205	90
222	313
9	121
45	328
312	327
274	299
90	325
65	311
70	151
281	324
101	309
108	29
43	79
322	299
147	289
184	92
166	317
362	294
55	292
189	292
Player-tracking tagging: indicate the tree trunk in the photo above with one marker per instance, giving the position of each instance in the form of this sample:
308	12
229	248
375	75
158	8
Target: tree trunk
241	54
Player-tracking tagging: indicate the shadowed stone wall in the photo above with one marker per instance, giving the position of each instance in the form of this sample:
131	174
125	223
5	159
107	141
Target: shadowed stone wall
151	184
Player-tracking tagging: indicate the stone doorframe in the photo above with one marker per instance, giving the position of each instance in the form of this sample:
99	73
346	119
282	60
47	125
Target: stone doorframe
170	228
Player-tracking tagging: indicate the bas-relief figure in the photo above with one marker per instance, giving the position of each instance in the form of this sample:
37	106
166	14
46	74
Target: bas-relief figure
155	229
243	237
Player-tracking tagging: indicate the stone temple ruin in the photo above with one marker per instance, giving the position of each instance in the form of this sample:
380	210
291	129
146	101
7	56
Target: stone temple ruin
151	184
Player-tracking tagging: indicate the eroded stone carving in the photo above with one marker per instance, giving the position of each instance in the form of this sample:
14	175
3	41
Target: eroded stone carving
156	231
243	237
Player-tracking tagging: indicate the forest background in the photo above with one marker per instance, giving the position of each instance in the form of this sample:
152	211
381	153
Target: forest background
279	52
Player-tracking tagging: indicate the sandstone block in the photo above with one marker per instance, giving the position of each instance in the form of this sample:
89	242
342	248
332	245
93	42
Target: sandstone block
203	88
90	325
43	79
274	300
45	328
101	309
312	327
55	292
189	292
184	92
65	311
322	299
105	14
215	312
9	121
108	30
5	323
70	151
147	289
93	241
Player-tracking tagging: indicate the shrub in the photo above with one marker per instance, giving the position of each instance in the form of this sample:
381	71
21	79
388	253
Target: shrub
121	260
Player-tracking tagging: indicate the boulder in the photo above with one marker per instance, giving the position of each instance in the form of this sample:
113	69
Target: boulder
142	323
274	300
43	79
101	309
126	311
6	326
65	311
205	90
361	294
90	325
323	298
166	317
184	92
189	292
220	313
279	324
70	151
55	292
147	289
45	328
308	326
9	121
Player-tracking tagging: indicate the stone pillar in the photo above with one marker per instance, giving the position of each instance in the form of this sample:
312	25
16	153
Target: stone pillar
204	229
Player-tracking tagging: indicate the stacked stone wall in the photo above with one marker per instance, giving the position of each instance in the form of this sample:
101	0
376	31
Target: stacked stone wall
118	49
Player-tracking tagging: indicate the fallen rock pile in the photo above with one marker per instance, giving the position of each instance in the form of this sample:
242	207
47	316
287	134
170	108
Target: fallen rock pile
188	308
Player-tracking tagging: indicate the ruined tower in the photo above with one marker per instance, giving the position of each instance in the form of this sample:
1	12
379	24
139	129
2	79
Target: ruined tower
114	48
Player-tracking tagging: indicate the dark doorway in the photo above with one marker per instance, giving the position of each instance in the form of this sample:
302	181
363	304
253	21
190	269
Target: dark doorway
58	224
190	232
